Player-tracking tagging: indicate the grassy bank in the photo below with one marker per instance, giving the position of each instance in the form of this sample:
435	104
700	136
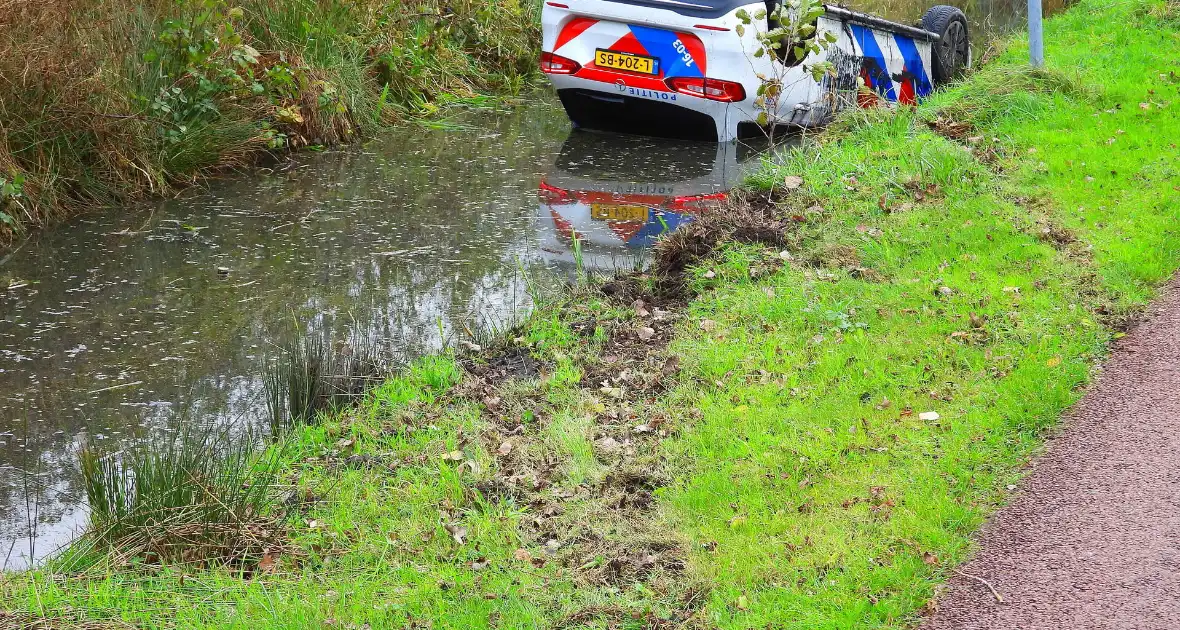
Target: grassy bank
102	102
799	421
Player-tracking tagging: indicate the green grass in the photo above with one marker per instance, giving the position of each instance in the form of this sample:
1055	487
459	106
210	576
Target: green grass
789	475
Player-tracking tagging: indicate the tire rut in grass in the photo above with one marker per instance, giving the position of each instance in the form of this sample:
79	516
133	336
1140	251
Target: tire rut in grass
605	531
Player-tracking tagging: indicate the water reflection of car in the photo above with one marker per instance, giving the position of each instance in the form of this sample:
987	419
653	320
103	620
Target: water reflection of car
609	197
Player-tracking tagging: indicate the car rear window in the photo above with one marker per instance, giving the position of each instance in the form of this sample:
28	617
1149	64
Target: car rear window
696	8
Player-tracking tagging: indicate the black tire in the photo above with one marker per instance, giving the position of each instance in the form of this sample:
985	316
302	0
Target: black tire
950	55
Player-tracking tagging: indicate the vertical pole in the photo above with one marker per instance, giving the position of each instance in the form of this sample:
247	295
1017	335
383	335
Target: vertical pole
1036	45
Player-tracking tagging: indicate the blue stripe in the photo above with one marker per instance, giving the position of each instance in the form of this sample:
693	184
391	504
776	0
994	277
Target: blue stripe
913	63
879	81
659	42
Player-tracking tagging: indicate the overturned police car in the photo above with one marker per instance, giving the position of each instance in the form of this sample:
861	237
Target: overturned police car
692	68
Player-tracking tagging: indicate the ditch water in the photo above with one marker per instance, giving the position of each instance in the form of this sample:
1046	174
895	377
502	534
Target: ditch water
111	323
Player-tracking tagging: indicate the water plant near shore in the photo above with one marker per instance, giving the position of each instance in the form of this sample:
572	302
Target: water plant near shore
314	374
203	494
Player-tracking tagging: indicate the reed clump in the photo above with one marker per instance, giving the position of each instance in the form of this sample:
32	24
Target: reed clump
314	374
201	495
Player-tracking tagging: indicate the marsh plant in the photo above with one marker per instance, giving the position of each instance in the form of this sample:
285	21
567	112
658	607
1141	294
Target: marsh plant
313	374
202	494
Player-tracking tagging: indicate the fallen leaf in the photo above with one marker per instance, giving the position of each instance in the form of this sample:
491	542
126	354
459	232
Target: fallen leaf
708	325
645	333
1144	106
885	404
743	603
710	274
737	521
505	448
608	445
649	426
613	392
268	562
785	255
1053	362
522	555
474	347
458	532
1011	289
929	415
792	182
344	444
769	291
492	403
453	456
929	558
479	563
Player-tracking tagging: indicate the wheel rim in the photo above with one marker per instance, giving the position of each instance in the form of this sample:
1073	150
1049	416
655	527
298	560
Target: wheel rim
953	47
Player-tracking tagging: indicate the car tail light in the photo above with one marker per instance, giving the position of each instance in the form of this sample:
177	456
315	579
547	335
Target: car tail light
694	203
553	195
712	89
554	64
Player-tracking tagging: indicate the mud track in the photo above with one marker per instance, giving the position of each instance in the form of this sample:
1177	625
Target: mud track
1092	540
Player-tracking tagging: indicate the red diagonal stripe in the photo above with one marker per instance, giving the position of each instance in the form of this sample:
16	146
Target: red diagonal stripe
572	30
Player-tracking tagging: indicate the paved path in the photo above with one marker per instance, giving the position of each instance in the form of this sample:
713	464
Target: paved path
1092	540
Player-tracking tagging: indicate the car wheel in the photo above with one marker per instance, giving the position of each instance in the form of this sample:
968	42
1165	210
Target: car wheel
953	51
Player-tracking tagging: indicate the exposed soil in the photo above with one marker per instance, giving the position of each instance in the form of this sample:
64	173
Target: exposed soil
1092	540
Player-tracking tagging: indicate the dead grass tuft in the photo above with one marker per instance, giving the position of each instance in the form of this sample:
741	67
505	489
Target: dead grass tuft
749	217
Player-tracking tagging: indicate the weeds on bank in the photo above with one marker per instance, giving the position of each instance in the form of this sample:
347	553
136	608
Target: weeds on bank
201	495
105	101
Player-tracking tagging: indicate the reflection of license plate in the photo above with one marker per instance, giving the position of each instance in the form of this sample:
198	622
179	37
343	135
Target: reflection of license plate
624	61
618	213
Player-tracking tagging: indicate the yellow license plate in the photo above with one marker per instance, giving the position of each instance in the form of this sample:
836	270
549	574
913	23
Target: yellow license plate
624	61
603	212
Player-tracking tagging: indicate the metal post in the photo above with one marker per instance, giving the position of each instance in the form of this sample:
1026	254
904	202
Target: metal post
1036	46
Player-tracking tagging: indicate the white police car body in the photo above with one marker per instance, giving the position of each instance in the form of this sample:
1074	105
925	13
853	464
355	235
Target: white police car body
684	68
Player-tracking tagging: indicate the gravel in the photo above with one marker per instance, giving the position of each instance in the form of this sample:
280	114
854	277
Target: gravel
1092	539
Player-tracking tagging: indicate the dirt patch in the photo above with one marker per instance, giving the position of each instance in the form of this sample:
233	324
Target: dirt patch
504	363
1056	235
965	133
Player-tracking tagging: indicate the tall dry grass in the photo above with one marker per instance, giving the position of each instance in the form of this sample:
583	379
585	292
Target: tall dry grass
101	100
